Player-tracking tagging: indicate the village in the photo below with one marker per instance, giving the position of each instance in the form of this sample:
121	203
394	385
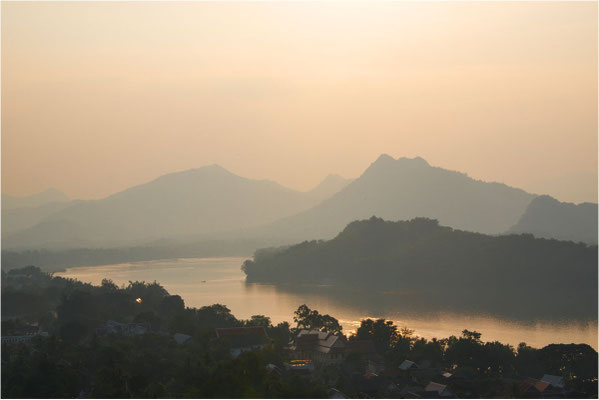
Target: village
313	352
108	342
318	356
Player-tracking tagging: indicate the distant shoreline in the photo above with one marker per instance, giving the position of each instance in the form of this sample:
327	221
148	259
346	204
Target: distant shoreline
60	260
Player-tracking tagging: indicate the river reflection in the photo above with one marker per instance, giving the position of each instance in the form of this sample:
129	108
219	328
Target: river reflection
207	281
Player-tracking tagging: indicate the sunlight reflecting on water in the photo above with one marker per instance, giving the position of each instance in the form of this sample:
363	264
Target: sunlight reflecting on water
207	281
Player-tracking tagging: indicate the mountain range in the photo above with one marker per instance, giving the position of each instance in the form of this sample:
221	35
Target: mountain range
47	196
203	201
211	203
407	188
547	217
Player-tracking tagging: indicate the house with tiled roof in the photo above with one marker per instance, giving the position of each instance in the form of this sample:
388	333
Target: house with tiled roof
321	347
553	380
439	388
407	364
539	388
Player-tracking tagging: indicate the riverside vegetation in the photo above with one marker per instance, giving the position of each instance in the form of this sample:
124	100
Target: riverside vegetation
449	265
72	360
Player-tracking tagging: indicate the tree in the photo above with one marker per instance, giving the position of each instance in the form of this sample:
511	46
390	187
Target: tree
216	316
577	363
499	358
473	336
430	350
382	333
305	318
171	305
467	351
109	285
280	334
150	293
258	320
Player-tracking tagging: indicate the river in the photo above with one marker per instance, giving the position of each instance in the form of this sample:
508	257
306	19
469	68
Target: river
205	281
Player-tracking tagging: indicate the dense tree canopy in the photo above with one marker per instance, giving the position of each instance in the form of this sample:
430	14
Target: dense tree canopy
305	318
441	263
74	360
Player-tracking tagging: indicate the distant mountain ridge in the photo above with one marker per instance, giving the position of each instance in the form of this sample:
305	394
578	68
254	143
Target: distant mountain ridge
408	188
547	217
332	184
35	200
211	203
16	219
202	201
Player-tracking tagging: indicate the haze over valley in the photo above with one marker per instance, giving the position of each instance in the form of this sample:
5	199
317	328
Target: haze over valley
211	203
299	199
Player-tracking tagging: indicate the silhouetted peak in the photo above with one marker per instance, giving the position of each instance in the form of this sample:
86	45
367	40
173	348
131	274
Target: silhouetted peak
416	161
386	162
334	178
384	159
330	185
210	169
190	175
546	199
383	162
214	167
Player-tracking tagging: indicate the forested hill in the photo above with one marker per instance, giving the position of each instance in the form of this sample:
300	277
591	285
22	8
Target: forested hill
421	254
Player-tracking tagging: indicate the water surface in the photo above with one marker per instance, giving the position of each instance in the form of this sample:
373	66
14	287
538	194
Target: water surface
205	281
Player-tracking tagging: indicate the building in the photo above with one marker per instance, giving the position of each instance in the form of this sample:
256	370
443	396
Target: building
555	381
365	348
539	388
407	364
181	338
25	339
321	347
274	370
117	328
300	367
17	339
243	339
440	389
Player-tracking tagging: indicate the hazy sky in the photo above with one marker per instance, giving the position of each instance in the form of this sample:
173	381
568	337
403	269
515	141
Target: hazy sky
97	97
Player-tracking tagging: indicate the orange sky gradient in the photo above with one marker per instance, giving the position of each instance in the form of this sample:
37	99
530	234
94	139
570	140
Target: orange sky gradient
97	97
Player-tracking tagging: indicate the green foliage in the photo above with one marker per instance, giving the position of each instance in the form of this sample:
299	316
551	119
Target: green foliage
280	335
382	333
258	320
305	318
74	361
216	315
424	257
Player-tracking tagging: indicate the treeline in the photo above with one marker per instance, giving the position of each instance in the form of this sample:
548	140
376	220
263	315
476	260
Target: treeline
74	361
73	310
486	366
420	254
58	260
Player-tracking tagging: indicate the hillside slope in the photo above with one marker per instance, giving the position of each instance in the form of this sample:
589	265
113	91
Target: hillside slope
404	189
547	217
35	200
199	201
443	263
